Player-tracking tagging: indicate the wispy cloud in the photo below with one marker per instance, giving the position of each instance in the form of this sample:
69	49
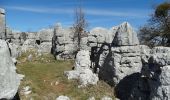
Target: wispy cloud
40	10
97	12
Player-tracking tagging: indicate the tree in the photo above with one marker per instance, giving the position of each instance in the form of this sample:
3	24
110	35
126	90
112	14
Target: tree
80	25
157	31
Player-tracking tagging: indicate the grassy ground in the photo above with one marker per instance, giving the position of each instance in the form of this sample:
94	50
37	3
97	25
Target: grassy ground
46	78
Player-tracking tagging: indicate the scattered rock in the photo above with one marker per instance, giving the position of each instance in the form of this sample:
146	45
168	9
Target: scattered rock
62	98
26	90
30	57
91	98
106	98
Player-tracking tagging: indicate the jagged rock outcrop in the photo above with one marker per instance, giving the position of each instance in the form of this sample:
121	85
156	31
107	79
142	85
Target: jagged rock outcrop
116	60
102	35
99	36
136	71
41	40
64	47
82	71
125	36
10	80
120	62
2	24
15	37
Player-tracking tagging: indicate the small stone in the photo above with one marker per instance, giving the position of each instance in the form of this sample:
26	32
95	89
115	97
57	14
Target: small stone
106	98
62	98
91	98
29	58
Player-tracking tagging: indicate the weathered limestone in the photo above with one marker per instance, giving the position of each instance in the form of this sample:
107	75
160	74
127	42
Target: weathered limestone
158	71
122	57
45	35
2	24
82	70
10	80
64	47
62	98
125	36
29	44
106	98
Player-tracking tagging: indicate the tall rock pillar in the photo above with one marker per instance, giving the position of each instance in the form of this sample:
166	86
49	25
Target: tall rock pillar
2	24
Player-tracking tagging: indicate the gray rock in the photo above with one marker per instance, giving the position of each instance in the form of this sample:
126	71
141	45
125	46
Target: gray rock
15	50
119	63
106	98
101	35
45	35
160	88
82	70
125	36
91	98
9	78
62	98
63	46
30	57
2	24
26	90
45	47
82	60
28	45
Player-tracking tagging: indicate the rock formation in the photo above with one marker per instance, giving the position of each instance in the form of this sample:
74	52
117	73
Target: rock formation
62	98
136	71
63	44
10	80
2	24
125	35
82	71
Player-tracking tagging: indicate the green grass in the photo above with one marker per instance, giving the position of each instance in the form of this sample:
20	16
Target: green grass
42	74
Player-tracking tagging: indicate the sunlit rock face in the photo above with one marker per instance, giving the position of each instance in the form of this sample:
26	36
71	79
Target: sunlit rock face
82	71
125	36
9	78
2	24
63	44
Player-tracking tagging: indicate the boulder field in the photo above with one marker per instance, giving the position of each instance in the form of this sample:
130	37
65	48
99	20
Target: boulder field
114	55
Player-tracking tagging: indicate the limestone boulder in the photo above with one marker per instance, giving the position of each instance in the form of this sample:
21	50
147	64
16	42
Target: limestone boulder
160	86
82	71
15	50
45	47
2	24
28	45
45	35
119	62
101	35
9	78
125	36
62	98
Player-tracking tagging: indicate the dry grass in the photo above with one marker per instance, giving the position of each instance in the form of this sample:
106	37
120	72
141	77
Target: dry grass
47	81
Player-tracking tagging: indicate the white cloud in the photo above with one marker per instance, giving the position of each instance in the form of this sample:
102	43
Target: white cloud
97	12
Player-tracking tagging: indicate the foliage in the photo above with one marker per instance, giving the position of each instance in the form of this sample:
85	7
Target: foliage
157	31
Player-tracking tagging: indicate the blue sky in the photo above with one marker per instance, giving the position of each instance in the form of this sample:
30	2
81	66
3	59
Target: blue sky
32	15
